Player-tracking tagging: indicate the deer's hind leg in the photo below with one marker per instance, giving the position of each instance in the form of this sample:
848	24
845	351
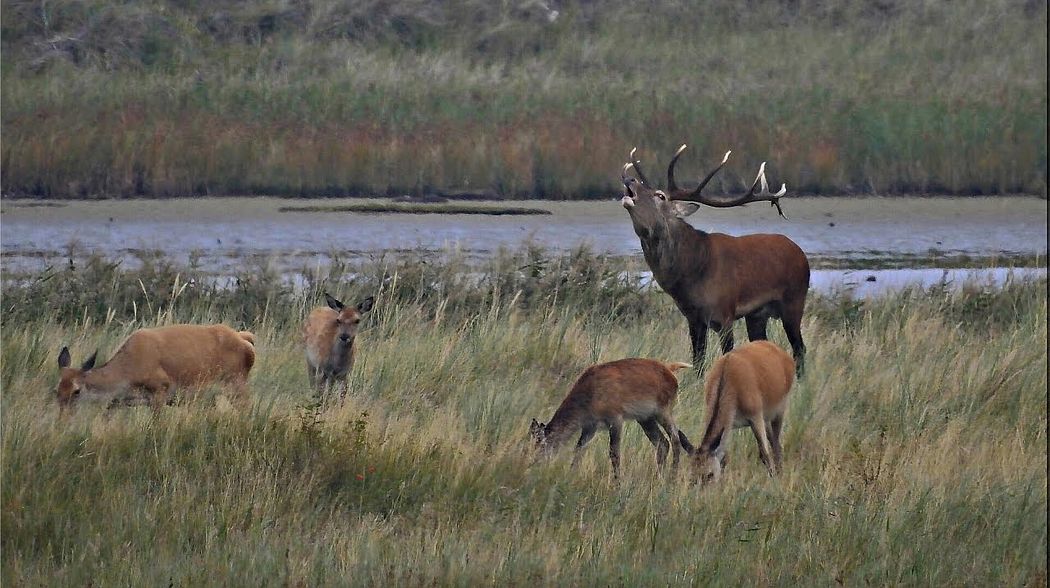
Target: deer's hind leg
775	426
667	422
615	432
758	426
652	431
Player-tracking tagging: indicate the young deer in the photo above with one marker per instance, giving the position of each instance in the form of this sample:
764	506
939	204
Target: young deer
746	387
329	333
152	363
605	395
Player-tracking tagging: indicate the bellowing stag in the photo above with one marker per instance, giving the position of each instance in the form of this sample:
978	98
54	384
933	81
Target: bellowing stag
714	278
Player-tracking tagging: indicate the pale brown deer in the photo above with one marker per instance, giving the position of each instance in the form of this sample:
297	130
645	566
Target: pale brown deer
714	278
152	363
606	394
329	334
747	387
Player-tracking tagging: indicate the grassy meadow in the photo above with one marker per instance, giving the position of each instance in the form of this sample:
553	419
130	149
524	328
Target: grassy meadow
104	98
915	446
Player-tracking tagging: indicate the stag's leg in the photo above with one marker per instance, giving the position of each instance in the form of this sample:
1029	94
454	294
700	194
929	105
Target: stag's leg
756	326
792	318
652	431
698	337
585	437
667	422
775	425
758	426
615	432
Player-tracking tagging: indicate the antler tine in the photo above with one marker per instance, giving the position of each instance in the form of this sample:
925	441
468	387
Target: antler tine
762	195
672	186
638	169
694	195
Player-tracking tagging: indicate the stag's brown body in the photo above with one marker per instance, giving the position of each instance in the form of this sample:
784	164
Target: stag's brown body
153	363
714	278
748	386
607	394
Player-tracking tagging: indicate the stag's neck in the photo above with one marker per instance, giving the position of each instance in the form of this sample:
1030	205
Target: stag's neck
674	251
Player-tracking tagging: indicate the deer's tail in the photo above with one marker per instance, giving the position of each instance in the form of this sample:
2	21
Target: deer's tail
674	366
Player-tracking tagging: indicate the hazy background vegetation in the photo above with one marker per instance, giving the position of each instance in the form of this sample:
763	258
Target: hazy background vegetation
170	98
915	447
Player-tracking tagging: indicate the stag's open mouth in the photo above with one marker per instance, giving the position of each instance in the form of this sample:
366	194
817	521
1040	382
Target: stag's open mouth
628	197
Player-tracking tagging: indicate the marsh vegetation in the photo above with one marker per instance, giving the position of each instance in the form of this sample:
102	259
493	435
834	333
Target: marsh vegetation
915	446
410	96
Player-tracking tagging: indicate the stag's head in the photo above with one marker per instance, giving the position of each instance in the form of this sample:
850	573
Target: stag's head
651	208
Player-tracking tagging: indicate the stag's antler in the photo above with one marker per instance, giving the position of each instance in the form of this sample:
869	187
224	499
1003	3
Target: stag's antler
637	168
679	194
763	195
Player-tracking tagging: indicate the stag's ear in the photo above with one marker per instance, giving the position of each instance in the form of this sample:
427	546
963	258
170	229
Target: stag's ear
366	304
333	303
90	363
64	358
684	209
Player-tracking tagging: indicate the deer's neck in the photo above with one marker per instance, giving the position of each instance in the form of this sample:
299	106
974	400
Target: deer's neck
721	419
673	251
564	423
106	380
341	356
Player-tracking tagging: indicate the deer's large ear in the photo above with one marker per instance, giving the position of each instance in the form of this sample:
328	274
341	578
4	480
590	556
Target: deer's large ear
684	209
64	358
366	304
333	303
90	363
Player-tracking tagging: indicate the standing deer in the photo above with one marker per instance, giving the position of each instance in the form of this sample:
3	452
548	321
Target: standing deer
606	394
714	278
152	363
329	334
748	386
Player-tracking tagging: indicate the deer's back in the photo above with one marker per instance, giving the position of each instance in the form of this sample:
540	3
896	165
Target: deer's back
633	388
760	374
188	354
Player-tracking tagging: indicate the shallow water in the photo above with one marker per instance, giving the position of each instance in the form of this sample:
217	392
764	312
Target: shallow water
223	232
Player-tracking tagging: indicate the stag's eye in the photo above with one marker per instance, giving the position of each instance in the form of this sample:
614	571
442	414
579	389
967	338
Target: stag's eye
660	195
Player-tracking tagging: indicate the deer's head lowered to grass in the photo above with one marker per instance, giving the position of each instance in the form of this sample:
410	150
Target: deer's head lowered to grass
715	278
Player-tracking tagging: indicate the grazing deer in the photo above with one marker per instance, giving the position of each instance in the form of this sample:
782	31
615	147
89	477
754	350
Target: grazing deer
713	278
152	363
746	387
643	390
329	333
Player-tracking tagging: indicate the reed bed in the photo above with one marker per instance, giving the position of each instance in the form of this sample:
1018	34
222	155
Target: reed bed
107	98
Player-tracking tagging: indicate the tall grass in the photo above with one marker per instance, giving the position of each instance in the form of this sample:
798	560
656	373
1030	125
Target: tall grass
915	448
317	98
